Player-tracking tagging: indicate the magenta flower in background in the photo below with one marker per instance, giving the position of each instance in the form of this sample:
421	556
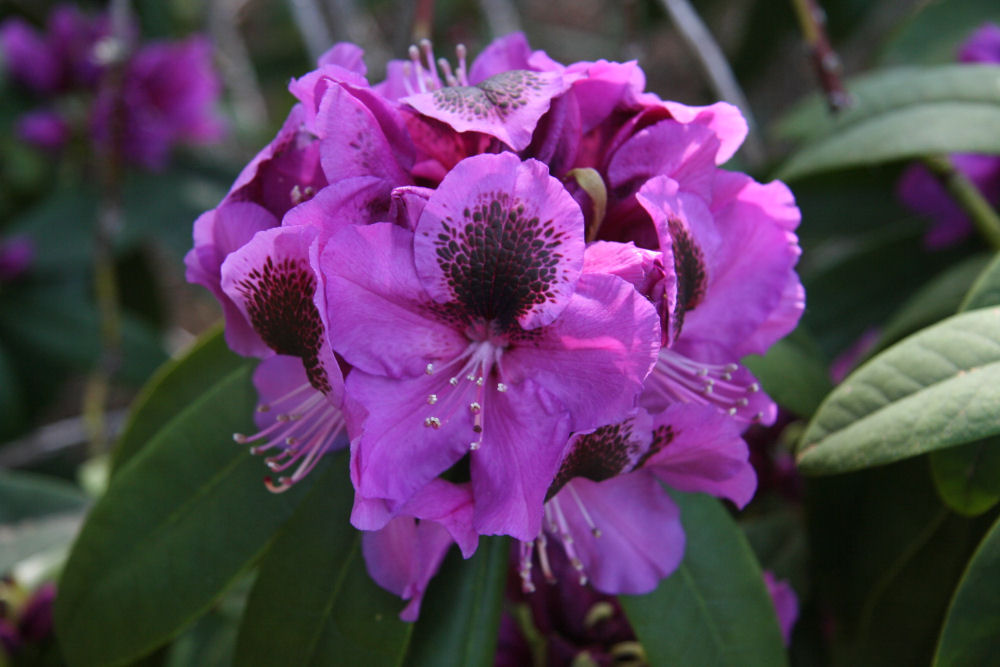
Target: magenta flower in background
923	194
786	604
47	130
16	255
423	267
167	97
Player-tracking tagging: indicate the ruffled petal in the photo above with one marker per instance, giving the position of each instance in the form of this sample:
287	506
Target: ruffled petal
503	240
595	357
524	433
638	540
381	319
507	105
272	280
697	448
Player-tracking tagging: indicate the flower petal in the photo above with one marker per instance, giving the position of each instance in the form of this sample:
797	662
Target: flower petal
641	539
595	357
503	240
381	319
507	105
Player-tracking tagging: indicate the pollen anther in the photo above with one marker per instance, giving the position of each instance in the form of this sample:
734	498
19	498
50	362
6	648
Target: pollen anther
432	422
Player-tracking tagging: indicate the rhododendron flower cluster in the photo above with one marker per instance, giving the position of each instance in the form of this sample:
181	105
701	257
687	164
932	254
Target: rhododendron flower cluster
165	93
520	291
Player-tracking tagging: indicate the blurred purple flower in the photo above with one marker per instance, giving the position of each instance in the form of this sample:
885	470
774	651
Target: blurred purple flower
28	58
924	194
167	97
47	130
786	604
16	255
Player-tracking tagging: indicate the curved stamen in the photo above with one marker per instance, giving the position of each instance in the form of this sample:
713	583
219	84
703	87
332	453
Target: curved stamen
689	381
476	364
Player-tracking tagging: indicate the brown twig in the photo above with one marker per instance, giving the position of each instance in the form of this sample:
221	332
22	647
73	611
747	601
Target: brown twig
812	22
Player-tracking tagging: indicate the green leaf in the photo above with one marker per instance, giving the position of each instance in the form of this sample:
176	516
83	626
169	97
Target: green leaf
900	114
968	477
937	388
715	609
935	301
936	29
460	616
792	374
176	527
314	603
985	291
26	496
176	384
969	635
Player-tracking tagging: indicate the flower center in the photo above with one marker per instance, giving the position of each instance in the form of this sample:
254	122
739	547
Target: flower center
306	427
556	524
423	73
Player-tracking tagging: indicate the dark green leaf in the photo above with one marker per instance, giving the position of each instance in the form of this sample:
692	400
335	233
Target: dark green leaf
460	616
29	496
935	389
314	603
176	527
793	375
935	301
970	632
176	384
985	291
715	609
968	477
936	30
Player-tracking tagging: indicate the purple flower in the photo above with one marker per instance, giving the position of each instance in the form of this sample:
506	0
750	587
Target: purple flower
47	130
16	255
608	493
924	194
475	334
28	58
166	97
786	604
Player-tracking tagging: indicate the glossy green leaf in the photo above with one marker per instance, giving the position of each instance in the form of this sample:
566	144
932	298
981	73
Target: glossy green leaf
985	291
968	477
883	92
793	375
715	609
460	616
937	388
176	527
314	603
969	635
26	496
171	389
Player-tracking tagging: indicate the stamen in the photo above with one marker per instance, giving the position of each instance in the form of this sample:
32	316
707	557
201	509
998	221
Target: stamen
449	76
432	399
594	530
501	387
566	537
433	422
460	71
430	369
428	51
527	550
679	378
418	69
407	75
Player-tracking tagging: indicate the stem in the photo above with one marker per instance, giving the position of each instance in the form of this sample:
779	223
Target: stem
109	220
967	196
812	22
713	61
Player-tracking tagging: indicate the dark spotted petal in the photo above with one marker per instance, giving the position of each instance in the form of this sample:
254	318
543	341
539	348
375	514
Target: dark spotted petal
502	240
273	282
506	106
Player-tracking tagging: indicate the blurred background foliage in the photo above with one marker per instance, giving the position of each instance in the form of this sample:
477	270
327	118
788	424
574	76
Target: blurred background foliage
874	555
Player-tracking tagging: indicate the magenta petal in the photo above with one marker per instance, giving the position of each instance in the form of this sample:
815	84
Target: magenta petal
595	357
27	57
685	153
449	505
347	55
381	321
786	603
724	119
217	233
641	540
352	201
606	86
400	448
404	556
982	46
507	105
503	54
751	299
274	284
354	141
501	238
698	448
523	439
